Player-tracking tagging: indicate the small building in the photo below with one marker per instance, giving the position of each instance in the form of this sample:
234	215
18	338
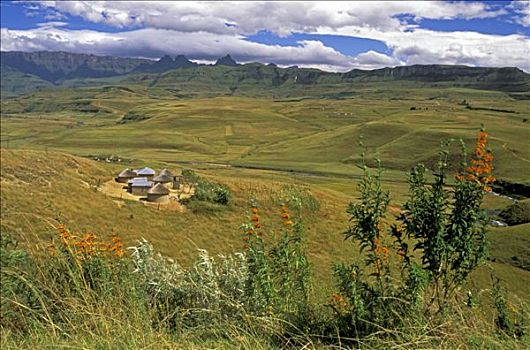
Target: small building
146	172
139	186
163	179
166	172
125	176
176	182
158	193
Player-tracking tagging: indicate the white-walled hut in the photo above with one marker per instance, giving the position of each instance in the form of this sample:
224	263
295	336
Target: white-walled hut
139	186
158	193
146	172
125	176
163	179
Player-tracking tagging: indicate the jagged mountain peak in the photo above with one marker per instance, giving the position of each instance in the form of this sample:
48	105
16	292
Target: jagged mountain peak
226	61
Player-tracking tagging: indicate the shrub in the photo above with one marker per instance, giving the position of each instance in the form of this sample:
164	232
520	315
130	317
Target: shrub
516	213
279	278
445	226
297	197
15	289
513	323
205	190
212	290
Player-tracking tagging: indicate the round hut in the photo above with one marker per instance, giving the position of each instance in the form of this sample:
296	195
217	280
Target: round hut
163	179
139	186
125	176
166	172
146	172
158	193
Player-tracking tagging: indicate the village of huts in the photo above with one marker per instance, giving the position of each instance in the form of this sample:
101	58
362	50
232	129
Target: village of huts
146	183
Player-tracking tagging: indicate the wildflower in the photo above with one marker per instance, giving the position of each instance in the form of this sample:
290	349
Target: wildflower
284	213
338	301
481	166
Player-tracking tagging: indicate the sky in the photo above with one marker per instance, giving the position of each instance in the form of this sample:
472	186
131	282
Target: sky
333	36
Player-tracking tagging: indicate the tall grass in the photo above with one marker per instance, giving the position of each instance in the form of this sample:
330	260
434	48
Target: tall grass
86	292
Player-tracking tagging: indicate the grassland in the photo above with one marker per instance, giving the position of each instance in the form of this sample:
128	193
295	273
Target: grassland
255	145
303	134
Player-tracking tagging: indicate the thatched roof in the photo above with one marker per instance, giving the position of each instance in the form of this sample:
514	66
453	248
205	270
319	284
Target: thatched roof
158	189
145	171
127	173
162	178
166	172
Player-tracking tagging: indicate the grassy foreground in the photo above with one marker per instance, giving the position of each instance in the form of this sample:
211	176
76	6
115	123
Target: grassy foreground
64	188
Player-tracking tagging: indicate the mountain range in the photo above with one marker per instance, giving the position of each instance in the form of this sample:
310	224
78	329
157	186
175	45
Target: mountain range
22	72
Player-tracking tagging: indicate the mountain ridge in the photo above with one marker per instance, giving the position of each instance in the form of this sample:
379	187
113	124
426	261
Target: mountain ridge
47	67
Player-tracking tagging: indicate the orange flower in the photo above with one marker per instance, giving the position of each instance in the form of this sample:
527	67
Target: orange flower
481	166
339	301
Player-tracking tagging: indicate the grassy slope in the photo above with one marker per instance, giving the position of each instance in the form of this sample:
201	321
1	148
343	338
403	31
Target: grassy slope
317	134
42	189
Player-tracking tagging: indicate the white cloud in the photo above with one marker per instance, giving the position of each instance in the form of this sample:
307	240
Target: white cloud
280	17
201	31
157	42
52	24
422	46
522	10
373	60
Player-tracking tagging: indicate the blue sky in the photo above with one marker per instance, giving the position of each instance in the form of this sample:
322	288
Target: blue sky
332	36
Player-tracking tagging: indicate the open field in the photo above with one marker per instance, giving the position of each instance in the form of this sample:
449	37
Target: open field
310	135
65	190
256	146
310	139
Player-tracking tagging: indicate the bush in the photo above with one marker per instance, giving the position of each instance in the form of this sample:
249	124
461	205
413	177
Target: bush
516	213
15	272
205	190
446	227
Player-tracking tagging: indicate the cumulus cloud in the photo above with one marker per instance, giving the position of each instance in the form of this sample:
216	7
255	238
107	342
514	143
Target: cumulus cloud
207	30
522	10
282	18
372	59
423	46
153	43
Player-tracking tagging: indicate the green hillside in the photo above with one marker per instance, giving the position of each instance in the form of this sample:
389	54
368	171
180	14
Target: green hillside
267	136
184	78
401	125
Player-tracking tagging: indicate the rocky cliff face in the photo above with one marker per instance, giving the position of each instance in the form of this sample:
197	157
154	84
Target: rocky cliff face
165	64
226	61
57	66
434	73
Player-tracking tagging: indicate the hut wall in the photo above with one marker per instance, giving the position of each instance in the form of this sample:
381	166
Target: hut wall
176	184
122	180
157	198
139	191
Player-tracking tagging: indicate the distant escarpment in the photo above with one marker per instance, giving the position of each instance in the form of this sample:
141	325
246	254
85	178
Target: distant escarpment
24	72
